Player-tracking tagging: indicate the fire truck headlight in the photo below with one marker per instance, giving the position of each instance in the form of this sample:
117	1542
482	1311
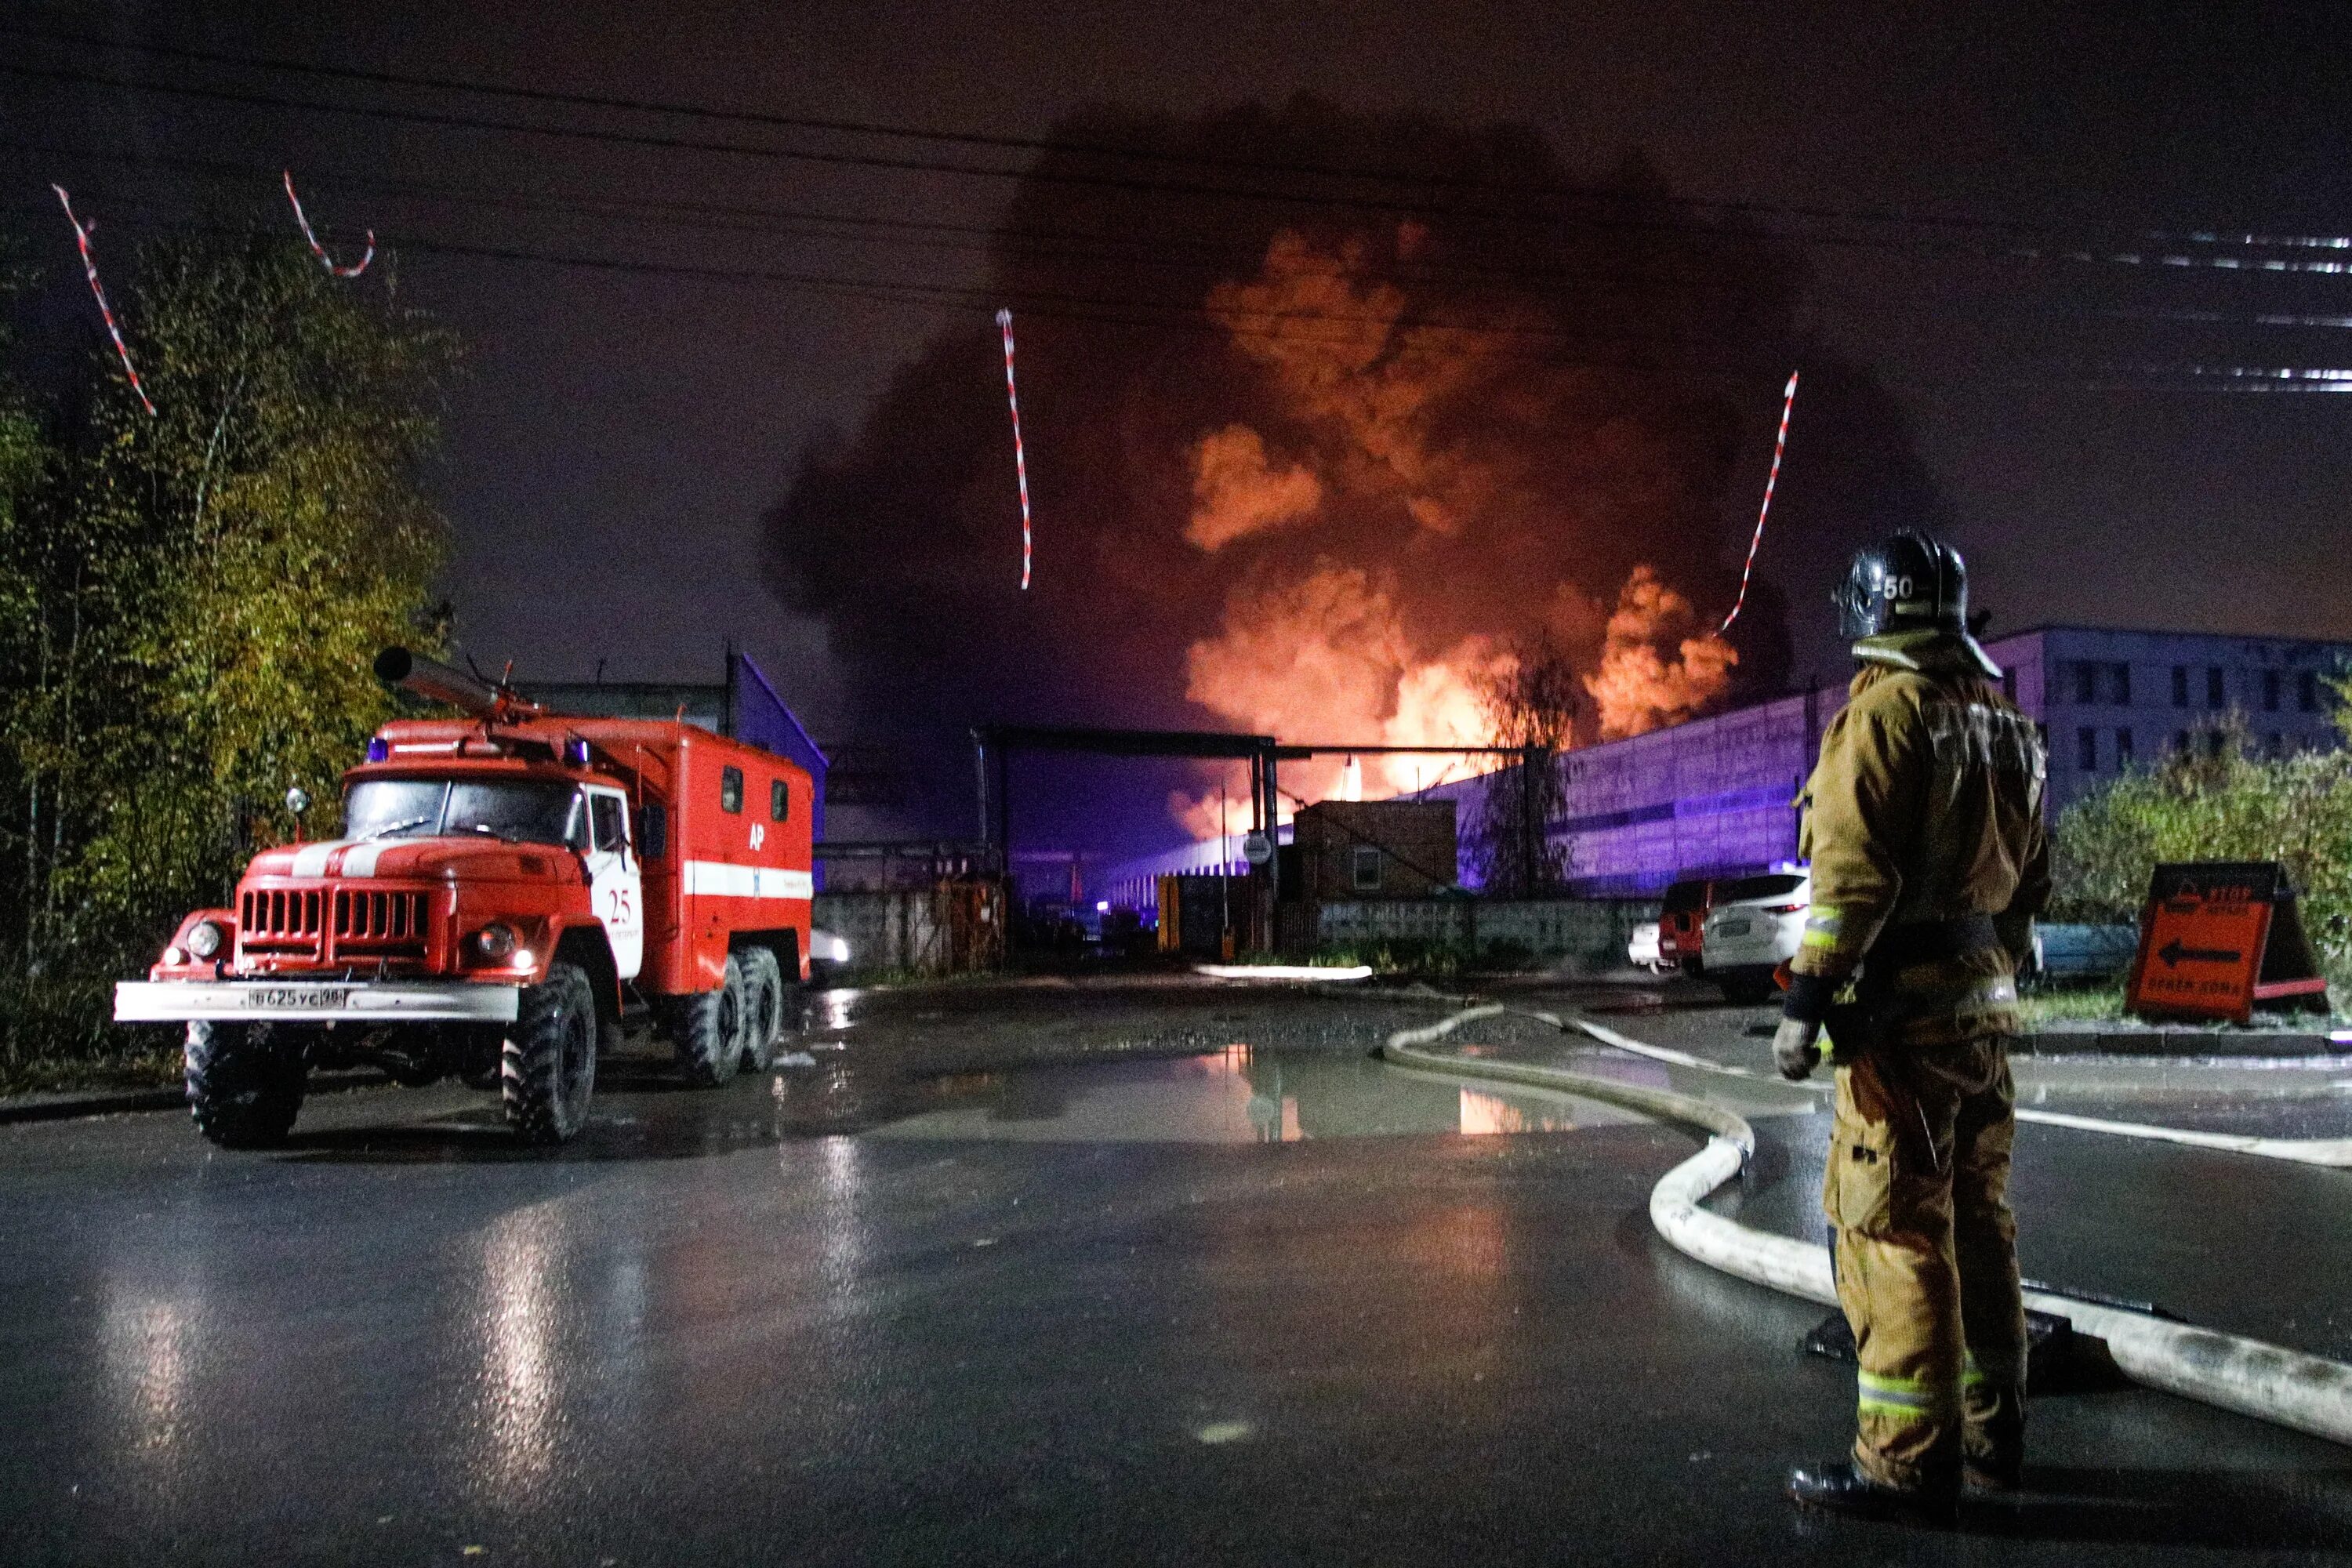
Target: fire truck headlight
173	958
204	941
495	941
523	959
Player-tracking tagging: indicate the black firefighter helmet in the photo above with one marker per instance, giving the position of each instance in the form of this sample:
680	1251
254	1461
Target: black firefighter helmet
1907	582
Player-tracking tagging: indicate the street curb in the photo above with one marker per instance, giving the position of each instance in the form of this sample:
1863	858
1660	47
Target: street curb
2308	1393
66	1104
2158	1042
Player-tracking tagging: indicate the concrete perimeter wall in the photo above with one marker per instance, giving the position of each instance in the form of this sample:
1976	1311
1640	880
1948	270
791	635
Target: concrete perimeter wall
1587	934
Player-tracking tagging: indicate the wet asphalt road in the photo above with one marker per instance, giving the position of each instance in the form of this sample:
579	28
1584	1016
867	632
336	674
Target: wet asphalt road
837	1316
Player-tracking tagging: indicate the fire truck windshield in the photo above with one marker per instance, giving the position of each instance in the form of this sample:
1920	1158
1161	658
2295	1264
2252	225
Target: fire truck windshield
424	808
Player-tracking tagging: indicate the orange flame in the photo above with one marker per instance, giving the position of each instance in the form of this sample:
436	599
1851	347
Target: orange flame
1371	607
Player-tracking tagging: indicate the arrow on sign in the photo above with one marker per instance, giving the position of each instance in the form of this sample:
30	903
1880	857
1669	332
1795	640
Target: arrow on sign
2173	953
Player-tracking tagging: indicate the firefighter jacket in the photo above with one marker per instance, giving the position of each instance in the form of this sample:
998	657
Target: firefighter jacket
1925	807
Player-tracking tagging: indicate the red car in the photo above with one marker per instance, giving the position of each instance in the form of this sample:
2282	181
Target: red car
1682	926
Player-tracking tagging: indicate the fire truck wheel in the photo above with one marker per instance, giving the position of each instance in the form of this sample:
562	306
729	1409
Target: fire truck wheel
244	1082
549	1068
710	1031
764	1012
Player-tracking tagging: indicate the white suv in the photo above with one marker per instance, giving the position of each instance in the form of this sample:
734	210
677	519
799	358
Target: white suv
1755	925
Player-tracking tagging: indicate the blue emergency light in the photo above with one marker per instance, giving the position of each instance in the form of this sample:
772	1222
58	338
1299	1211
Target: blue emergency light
575	751
379	748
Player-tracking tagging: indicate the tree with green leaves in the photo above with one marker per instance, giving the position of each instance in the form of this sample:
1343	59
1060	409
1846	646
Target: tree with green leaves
2226	805
189	600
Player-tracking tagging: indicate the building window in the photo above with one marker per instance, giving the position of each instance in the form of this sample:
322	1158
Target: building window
2086	682
2181	686
730	789
2215	740
2181	743
2119	684
2278	744
2270	691
2214	696
2307	691
2123	749
2086	755
1366	869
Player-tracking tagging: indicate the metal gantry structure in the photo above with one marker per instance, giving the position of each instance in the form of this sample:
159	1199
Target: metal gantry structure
993	747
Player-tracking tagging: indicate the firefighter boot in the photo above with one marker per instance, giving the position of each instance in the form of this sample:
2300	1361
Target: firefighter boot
1993	1434
1838	1488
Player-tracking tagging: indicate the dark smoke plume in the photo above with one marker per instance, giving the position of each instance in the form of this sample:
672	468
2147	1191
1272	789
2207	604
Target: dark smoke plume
1323	467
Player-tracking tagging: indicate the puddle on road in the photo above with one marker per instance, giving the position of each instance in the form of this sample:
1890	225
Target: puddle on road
1237	1094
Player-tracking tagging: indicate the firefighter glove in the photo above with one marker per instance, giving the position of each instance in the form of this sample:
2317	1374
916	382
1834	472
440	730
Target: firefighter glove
1794	1047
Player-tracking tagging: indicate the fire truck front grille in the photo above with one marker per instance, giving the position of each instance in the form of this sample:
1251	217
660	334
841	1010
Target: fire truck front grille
282	920
381	921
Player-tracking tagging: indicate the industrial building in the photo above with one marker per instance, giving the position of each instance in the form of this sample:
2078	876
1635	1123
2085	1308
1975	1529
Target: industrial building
1718	795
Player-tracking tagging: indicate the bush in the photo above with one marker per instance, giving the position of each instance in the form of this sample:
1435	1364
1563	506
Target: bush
2295	810
1419	958
59	1032
1507	952
189	599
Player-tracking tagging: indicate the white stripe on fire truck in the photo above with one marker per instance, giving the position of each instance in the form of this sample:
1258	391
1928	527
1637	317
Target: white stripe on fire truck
310	860
716	878
361	858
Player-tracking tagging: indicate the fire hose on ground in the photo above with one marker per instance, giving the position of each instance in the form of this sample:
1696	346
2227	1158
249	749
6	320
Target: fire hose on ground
2308	1393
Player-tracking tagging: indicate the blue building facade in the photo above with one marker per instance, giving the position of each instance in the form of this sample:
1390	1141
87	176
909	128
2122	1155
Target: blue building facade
1718	796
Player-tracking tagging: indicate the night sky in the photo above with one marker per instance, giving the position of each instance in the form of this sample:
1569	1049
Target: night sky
621	434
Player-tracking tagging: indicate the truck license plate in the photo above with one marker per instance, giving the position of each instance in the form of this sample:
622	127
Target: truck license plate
291	998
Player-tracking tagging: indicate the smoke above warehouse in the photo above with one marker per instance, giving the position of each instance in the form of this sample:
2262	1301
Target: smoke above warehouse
1321	453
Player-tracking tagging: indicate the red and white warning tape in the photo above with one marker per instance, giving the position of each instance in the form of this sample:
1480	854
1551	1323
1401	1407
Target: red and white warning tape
1780	443
319	250
89	270
1020	458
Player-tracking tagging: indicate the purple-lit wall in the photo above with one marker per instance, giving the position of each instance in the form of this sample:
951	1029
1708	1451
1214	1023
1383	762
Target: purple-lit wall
1711	797
1718	795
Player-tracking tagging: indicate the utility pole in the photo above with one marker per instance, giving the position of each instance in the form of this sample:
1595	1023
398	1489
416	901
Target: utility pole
1527	825
1225	878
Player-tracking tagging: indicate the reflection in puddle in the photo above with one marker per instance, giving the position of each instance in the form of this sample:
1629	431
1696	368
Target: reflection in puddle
833	1010
1237	1094
517	1322
145	1347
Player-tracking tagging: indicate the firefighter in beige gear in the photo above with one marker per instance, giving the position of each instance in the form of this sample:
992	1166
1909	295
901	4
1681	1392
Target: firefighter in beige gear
1923	821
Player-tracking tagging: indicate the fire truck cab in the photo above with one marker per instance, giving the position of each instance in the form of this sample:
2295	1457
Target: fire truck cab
508	886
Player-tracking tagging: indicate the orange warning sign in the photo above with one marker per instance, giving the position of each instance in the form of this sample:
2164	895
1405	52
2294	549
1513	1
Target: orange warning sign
2217	938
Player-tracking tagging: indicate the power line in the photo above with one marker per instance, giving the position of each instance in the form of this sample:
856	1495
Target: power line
976	238
1742	207
1245	324
993	142
961	301
1270	325
1047	172
970	237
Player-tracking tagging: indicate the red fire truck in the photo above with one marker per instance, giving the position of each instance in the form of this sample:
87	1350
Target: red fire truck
508	886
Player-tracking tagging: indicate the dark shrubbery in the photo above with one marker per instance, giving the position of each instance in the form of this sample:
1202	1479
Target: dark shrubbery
2295	810
189	602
